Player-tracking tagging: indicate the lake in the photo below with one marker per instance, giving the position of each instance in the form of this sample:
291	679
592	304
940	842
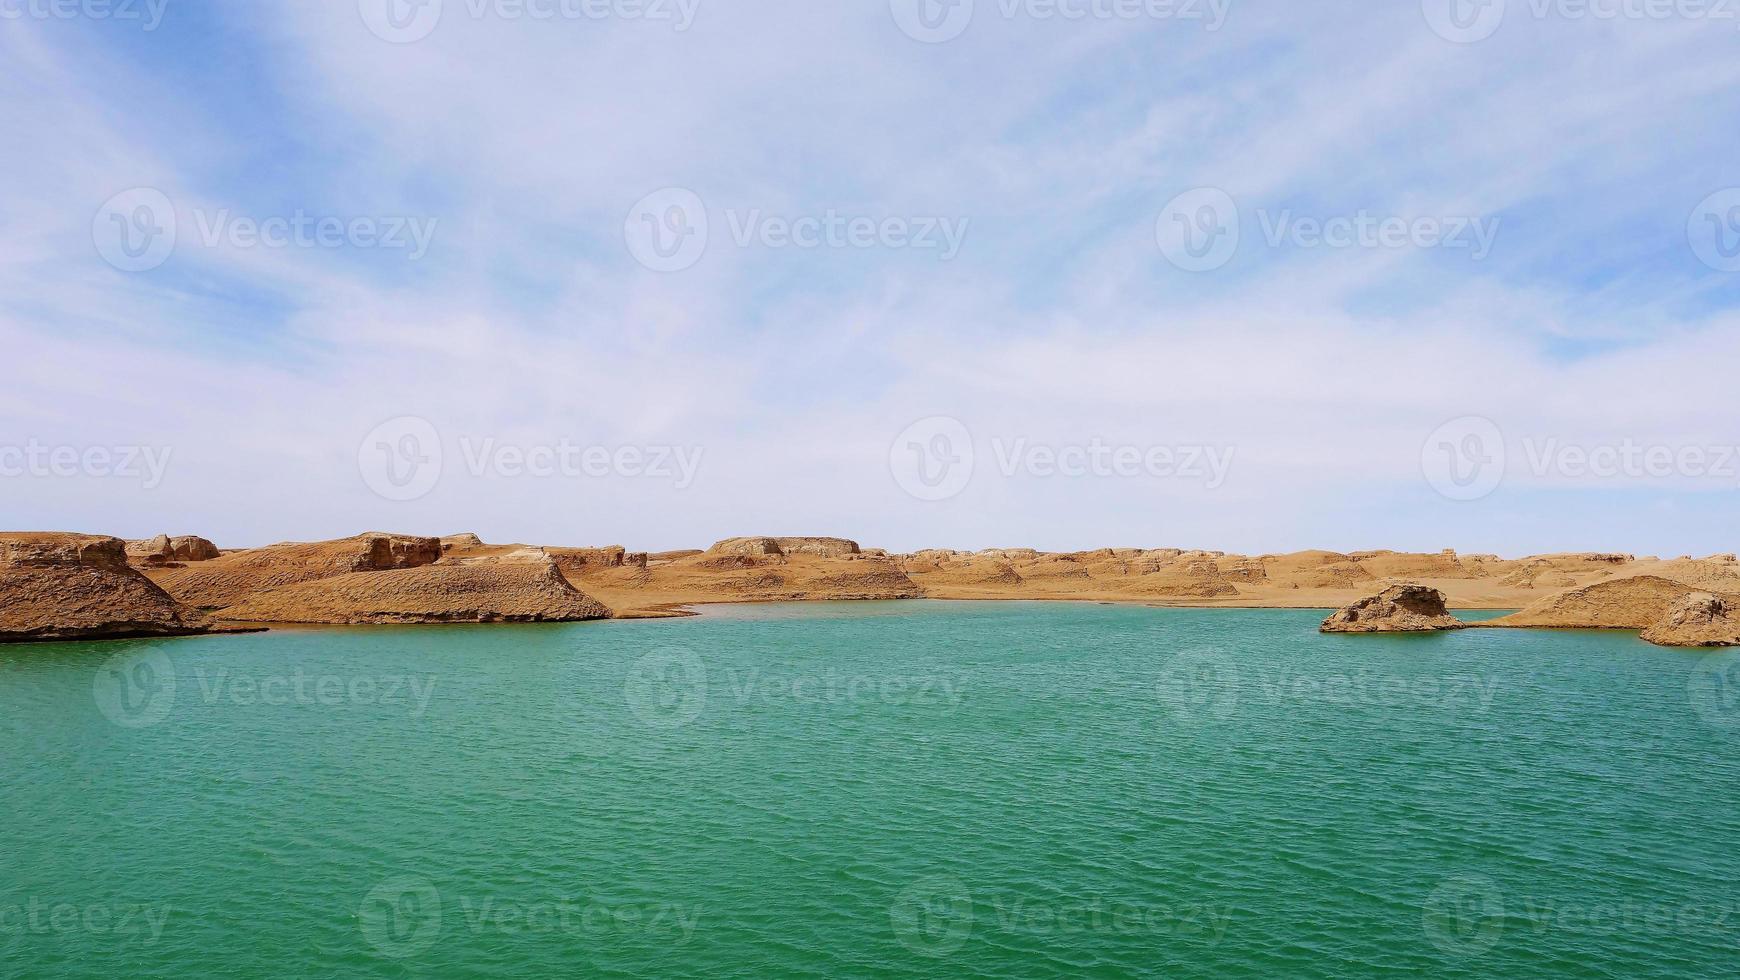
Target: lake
873	789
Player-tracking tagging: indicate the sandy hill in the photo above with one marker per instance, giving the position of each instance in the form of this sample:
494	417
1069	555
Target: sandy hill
521	587
1632	602
748	570
231	578
1701	619
80	586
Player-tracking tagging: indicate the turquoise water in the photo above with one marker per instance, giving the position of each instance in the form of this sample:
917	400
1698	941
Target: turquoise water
882	789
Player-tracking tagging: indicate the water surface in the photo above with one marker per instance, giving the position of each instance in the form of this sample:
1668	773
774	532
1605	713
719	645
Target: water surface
877	789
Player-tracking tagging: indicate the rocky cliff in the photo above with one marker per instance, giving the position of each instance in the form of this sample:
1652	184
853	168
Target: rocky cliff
81	587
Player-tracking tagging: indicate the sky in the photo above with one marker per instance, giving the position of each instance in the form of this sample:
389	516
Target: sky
1248	275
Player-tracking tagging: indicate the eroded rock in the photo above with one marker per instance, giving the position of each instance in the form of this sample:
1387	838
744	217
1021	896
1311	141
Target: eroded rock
1404	608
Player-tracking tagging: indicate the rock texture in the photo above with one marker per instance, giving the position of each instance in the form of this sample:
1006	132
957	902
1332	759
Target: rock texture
151	551
1701	619
818	547
522	587
228	580
1587	590
1636	602
1403	608
81	587
188	547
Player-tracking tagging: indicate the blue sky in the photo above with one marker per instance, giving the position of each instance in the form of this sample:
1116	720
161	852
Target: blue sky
527	148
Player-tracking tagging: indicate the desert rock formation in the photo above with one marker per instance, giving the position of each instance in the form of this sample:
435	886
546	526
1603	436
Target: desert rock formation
1403	608
818	547
1636	602
521	587
1701	619
461	578
81	587
231	578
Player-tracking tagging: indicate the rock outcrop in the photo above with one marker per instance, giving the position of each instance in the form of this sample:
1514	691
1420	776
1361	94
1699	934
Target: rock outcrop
1402	608
1701	619
232	578
1637	602
151	551
188	547
81	587
817	547
522	587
